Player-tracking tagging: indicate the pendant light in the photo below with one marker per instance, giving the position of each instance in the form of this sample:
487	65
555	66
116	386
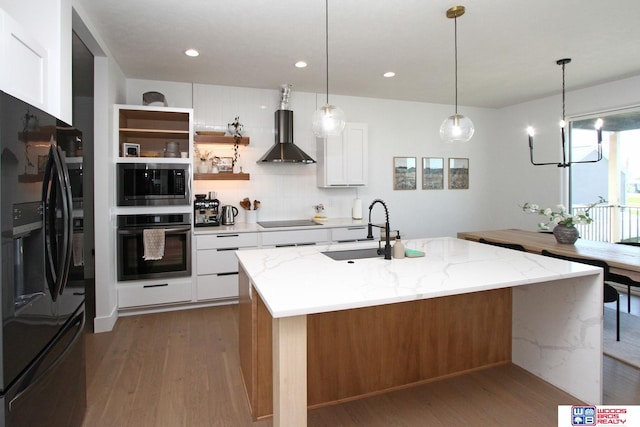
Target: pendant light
328	120
456	128
564	163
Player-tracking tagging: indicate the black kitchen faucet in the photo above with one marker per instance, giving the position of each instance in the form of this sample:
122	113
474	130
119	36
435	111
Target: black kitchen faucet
387	245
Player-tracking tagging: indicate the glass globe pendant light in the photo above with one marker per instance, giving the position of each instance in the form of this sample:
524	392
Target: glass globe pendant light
456	128
328	120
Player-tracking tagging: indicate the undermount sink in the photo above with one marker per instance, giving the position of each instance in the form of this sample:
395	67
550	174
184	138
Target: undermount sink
353	254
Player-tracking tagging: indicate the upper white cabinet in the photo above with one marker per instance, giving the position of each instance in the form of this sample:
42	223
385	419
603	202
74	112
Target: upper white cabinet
343	160
23	73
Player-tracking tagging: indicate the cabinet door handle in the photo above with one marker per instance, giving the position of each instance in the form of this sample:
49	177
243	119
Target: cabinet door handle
307	244
227	249
159	285
231	273
289	245
227	235
356	228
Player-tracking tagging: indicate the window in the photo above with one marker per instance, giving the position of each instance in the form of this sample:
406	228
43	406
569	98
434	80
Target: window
616	177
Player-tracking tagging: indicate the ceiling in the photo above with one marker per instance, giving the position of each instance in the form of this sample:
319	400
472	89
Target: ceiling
507	49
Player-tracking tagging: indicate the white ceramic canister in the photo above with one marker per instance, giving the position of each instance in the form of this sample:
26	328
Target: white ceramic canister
356	211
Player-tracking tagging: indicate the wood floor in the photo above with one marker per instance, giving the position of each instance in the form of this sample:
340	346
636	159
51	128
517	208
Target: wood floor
182	369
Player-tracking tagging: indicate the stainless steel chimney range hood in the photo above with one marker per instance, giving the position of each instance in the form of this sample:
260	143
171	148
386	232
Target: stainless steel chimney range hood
284	150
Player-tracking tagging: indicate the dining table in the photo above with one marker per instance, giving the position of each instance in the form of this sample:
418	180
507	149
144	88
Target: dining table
622	259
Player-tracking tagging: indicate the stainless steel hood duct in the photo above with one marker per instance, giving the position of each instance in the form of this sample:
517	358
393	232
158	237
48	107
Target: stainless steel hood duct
284	150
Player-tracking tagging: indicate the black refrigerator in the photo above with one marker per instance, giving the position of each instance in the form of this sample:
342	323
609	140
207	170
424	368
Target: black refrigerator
42	375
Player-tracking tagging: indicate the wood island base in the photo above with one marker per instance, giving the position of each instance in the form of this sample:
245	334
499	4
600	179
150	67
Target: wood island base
365	351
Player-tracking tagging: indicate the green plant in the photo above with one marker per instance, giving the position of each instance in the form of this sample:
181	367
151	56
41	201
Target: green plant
561	216
235	129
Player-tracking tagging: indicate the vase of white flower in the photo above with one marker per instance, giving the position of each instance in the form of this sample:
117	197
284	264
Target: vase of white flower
564	223
566	234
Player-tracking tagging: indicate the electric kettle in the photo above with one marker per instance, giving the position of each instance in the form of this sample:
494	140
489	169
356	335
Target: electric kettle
228	214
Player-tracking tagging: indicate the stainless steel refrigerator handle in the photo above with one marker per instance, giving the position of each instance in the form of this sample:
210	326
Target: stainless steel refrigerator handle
67	218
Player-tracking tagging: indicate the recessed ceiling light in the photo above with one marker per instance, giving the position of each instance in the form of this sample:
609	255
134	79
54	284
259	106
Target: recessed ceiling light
191	52
301	64
389	74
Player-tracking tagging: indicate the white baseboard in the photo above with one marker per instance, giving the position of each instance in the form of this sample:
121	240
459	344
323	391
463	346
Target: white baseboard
105	323
164	308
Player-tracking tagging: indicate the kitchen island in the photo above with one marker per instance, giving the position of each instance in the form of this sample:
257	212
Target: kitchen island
314	330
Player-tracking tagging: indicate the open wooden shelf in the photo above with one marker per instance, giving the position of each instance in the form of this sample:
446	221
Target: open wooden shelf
223	176
219	139
154	133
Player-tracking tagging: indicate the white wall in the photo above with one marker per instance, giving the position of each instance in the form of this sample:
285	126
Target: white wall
110	85
501	176
396	128
546	185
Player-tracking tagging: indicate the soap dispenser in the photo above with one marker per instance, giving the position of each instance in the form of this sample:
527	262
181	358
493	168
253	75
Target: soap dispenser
398	247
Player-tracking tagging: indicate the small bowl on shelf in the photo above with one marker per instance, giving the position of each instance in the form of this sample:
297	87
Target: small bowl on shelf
319	219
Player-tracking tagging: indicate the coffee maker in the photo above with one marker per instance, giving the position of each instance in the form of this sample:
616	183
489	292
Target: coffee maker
205	210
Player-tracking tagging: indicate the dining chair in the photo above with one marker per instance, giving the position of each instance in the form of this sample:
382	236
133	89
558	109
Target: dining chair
610	293
513	246
629	281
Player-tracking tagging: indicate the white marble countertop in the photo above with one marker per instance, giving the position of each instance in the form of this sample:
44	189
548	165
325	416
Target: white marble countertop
243	227
301	280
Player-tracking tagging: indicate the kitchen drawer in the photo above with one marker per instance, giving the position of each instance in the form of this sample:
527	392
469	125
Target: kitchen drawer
294	237
216	261
137	295
217	286
226	240
349	234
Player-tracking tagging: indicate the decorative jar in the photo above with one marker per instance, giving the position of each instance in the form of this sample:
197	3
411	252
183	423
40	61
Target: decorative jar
566	234
203	167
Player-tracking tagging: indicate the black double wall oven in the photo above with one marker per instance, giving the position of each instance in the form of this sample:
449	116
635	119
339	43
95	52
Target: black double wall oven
176	260
161	185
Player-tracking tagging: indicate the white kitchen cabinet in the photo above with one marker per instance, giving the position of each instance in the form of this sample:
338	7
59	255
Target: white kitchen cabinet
217	286
152	293
343	160
217	264
24	60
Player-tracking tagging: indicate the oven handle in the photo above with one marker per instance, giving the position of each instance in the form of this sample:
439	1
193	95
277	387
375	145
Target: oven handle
167	230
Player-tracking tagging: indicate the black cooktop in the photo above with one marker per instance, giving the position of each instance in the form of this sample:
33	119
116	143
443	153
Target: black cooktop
287	223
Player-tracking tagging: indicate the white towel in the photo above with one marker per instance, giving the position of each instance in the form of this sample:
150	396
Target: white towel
153	240
78	249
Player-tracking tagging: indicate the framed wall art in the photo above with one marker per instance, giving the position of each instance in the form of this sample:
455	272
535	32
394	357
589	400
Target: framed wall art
225	165
458	174
404	173
432	173
130	150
